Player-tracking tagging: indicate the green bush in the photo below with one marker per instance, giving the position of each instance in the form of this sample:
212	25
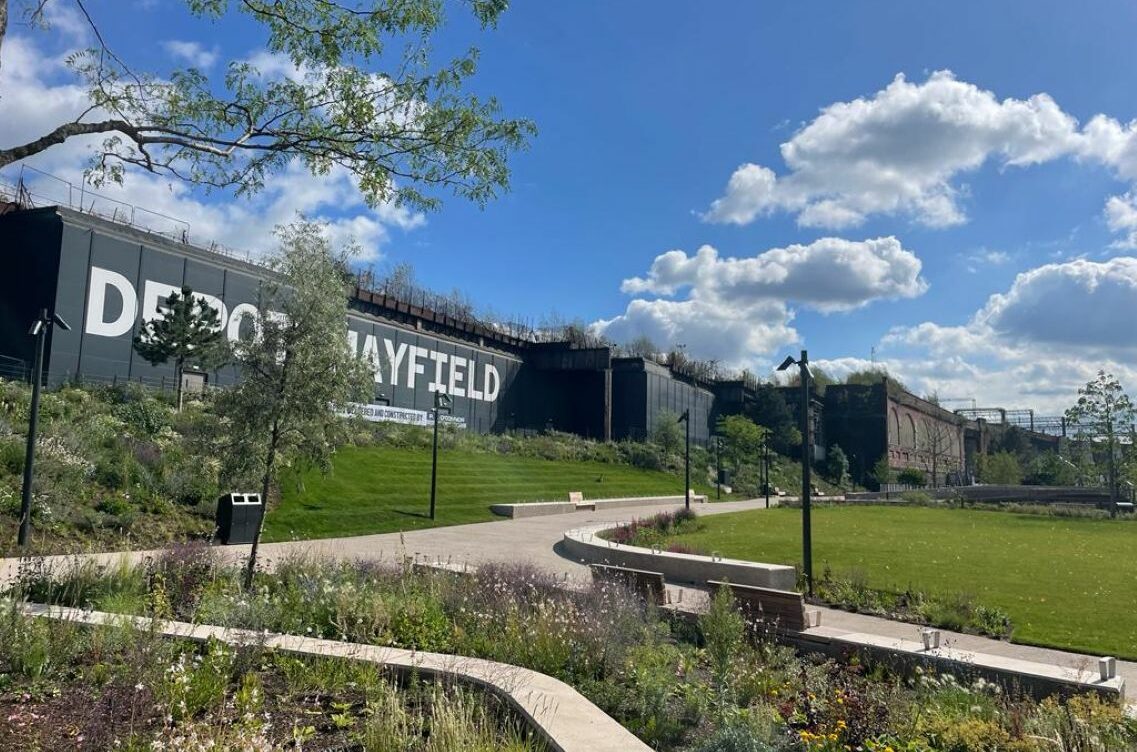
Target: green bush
12	451
911	476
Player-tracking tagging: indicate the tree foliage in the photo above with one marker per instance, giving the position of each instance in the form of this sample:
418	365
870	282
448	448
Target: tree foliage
1102	413
297	372
771	411
742	440
667	433
358	90
1001	468
189	332
836	465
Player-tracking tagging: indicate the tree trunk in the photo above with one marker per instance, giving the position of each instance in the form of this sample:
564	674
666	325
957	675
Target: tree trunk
266	483
179	371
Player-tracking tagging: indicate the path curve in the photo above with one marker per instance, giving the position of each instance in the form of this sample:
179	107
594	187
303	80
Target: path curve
536	540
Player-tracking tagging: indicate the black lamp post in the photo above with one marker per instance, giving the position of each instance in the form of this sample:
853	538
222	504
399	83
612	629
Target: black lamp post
39	330
441	402
686	418
806	456
766	467
718	468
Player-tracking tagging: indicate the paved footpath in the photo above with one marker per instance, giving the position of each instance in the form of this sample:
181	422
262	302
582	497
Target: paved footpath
536	540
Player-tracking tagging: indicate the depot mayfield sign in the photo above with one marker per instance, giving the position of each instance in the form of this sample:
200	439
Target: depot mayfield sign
115	306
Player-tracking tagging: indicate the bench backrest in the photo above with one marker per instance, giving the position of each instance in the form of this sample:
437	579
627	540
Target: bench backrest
784	609
576	497
648	585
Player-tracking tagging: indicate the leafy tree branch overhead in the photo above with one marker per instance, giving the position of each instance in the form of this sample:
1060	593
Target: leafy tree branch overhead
360	92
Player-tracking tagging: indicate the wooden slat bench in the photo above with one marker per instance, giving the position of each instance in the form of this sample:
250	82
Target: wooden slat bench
648	585
783	609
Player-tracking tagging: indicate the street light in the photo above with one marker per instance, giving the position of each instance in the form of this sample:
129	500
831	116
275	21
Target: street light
441	402
806	452
718	468
39	330
766	466
686	418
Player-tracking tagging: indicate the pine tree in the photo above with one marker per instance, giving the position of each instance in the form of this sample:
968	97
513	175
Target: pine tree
189	332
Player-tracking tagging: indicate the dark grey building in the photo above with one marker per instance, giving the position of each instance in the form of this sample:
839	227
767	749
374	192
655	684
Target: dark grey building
107	278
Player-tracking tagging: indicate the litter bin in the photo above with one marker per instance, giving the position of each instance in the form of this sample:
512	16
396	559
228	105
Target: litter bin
724	477
238	517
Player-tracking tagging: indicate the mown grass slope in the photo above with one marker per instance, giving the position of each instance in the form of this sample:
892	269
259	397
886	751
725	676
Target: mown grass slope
380	489
1067	583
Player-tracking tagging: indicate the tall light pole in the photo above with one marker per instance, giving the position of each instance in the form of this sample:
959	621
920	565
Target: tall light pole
686	418
766	466
718	468
441	402
806	455
39	330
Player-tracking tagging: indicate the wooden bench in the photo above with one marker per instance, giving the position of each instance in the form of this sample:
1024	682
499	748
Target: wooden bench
783	609
577	497
647	585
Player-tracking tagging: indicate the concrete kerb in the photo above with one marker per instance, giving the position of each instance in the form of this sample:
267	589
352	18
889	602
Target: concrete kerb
586	545
555	711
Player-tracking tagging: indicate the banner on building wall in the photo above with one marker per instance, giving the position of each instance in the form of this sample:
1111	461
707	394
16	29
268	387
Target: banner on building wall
386	414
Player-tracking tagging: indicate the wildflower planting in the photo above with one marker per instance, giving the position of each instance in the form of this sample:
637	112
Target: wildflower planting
1057	581
710	685
65	686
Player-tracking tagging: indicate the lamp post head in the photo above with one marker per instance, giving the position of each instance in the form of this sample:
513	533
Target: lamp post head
685	416
789	361
442	401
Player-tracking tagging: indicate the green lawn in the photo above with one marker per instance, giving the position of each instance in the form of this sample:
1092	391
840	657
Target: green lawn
1068	583
386	489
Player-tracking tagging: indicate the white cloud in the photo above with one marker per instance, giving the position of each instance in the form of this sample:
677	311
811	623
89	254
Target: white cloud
37	95
1121	217
707	330
830	274
192	54
737	309
1033	345
901	152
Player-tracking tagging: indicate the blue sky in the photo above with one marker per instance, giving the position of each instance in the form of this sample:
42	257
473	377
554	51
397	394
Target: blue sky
646	110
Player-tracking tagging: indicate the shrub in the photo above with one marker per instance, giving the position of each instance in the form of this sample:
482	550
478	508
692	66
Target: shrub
646	456
911	476
12	451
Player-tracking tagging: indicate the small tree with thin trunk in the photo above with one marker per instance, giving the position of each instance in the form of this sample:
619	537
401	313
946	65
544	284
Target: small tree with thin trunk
189	332
937	448
298	373
1103	412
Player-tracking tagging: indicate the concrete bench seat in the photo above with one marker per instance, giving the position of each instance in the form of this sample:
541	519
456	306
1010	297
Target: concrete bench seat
648	585
783	609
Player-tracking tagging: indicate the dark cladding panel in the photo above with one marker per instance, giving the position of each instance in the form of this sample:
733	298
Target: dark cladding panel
29	249
74	266
111	308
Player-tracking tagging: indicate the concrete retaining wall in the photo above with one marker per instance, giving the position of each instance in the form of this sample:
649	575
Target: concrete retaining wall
542	508
585	545
1021	494
1040	680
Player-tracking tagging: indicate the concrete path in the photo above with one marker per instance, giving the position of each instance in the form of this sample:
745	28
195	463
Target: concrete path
536	540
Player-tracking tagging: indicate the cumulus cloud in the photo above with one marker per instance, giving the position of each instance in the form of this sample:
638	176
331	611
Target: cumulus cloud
192	54
738	308
1121	217
1032	345
38	94
830	274
901	152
